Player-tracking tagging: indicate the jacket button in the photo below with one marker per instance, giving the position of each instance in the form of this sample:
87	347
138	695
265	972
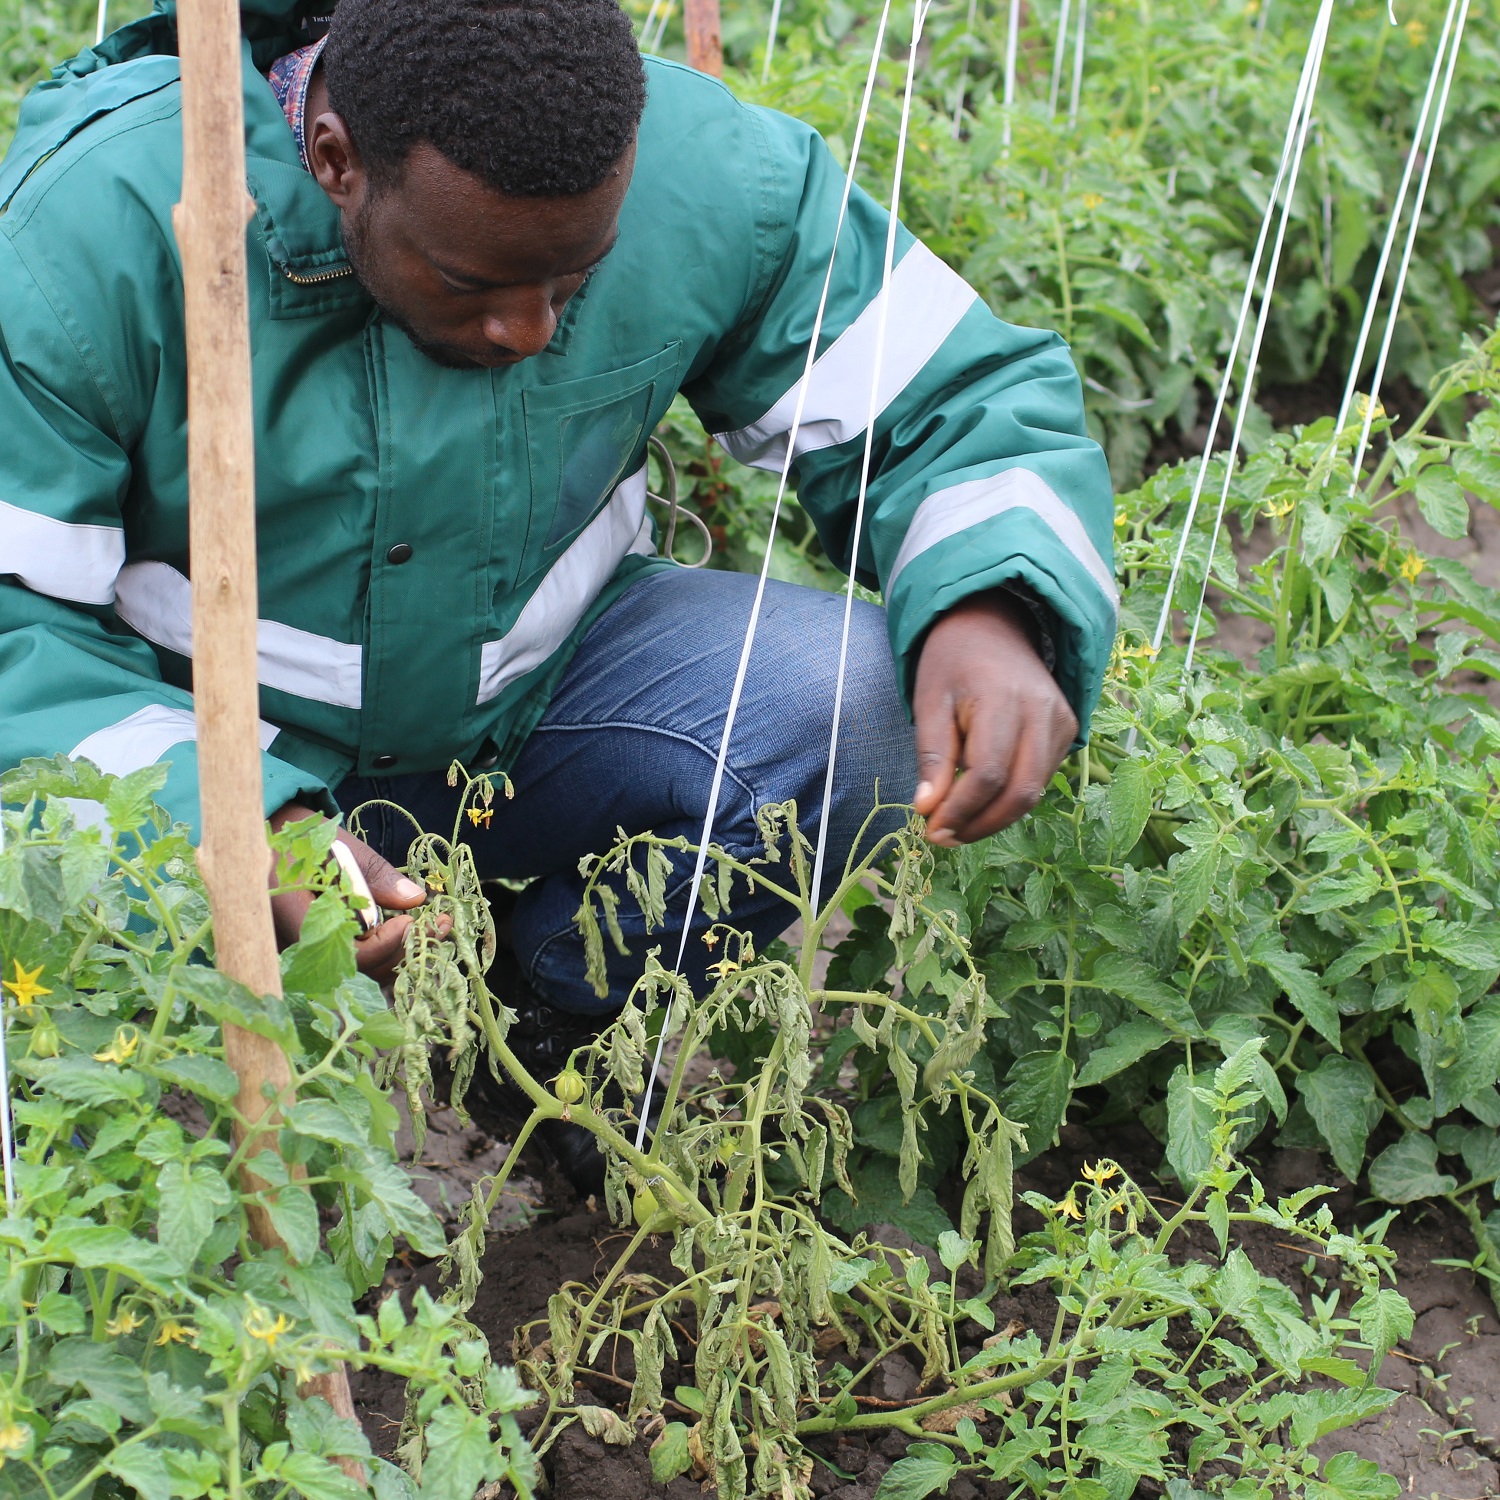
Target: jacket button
398	554
383	762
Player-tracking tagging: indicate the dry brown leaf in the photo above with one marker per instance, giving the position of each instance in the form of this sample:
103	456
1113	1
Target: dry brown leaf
1006	1334
601	1422
703	1464
948	1419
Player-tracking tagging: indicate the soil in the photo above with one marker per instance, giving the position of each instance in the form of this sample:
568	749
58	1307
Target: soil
1441	1440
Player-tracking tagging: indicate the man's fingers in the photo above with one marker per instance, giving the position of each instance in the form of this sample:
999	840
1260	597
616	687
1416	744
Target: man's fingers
937	748
390	888
379	952
1027	780
1039	736
988	758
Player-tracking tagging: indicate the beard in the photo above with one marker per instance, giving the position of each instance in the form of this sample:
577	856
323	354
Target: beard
356	230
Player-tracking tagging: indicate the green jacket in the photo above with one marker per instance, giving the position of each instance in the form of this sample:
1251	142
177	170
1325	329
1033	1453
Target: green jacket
519	492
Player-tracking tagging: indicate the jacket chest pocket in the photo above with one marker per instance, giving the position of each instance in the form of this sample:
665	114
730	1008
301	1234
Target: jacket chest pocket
584	437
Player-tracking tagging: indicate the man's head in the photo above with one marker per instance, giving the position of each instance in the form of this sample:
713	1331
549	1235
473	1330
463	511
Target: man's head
479	151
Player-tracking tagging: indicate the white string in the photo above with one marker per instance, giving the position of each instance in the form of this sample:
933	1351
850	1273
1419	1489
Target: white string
661	27
919	16
765	72
1058	56
1389	244
649	22
103	19
1012	46
1078	51
737	690
1241	324
1247	386
1411	241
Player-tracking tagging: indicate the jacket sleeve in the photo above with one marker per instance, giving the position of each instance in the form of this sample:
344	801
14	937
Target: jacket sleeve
982	473
72	679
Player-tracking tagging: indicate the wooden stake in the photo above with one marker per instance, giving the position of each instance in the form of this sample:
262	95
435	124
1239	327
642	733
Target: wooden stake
705	50
234	856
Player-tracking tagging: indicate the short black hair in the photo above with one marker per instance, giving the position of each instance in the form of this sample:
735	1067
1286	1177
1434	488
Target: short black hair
536	98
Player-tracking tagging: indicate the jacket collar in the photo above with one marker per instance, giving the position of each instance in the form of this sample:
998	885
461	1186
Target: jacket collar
300	226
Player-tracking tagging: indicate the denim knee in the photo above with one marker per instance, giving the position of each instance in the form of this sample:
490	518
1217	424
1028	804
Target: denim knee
875	760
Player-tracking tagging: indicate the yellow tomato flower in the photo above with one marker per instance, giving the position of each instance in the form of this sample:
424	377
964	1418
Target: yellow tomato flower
1416	32
12	1439
1362	407
173	1332
24	986
1101	1172
125	1321
481	816
1124	653
122	1049
436	883
724	968
1412	566
1091	201
259	1325
1069	1209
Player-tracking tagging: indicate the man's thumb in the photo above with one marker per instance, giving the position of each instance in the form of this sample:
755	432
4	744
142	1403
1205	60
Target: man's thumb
389	887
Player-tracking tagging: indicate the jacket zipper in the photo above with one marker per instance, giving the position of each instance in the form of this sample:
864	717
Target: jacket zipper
318	276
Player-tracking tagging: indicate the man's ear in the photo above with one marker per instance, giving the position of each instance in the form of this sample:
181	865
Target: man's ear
335	160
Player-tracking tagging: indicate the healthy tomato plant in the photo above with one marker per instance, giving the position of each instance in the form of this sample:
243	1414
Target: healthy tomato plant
148	1345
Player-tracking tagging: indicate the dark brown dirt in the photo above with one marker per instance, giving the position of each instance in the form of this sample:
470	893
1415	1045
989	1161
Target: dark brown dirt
1441	1440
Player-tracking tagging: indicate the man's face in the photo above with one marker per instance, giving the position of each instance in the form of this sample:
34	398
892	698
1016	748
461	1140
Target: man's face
476	279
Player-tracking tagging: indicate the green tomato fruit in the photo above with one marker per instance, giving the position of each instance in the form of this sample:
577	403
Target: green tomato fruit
568	1086
44	1040
649	1214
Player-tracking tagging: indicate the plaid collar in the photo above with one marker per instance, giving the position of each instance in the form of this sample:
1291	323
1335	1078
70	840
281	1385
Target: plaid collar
289	77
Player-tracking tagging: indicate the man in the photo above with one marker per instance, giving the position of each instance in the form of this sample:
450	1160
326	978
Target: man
488	249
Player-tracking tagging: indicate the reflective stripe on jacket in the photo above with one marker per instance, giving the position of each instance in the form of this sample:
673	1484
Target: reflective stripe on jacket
433	543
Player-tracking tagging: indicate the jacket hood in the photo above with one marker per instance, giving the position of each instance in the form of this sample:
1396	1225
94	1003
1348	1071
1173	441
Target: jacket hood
95	82
272	27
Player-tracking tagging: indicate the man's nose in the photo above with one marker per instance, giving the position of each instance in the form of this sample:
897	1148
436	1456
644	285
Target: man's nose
525	325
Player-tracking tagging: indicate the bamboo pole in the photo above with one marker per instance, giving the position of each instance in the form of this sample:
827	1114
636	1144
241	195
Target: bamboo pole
234	855
705	50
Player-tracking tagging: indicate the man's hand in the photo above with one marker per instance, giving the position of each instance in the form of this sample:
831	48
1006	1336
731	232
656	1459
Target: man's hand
986	705
378	951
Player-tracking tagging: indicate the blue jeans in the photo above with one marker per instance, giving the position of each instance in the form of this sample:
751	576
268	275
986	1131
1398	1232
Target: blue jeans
630	741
